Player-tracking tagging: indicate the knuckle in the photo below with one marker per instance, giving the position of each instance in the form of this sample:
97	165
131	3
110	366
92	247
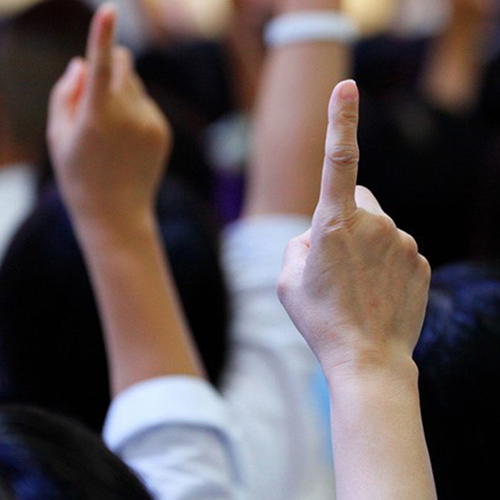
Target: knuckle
157	133
295	241
383	227
409	245
347	116
136	83
379	235
289	251
285	281
425	269
282	286
344	155
328	226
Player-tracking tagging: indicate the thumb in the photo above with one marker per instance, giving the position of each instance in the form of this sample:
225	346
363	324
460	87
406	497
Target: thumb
67	90
294	260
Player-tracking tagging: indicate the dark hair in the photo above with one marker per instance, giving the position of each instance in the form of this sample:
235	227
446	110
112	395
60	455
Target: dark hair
458	356
35	47
43	456
51	347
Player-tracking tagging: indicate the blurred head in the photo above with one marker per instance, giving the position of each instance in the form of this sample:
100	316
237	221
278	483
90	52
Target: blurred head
458	356
47	457
35	47
52	351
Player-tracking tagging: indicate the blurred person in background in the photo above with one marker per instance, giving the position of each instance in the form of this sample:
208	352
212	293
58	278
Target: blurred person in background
49	323
44	288
278	424
35	46
152	360
424	123
458	359
47	456
267	382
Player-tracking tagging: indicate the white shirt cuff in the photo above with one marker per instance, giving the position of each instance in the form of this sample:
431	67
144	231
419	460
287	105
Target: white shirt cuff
160	402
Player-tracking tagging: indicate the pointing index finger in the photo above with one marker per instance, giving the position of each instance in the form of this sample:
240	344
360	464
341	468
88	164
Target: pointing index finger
100	53
340	169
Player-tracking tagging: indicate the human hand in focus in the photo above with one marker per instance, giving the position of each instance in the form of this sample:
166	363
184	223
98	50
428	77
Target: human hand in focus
354	285
108	140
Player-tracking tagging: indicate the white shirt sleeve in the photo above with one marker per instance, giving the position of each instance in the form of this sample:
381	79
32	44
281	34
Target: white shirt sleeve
174	432
261	440
269	383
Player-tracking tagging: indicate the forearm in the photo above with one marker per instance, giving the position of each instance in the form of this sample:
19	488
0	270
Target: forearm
144	329
378	441
246	54
452	75
290	121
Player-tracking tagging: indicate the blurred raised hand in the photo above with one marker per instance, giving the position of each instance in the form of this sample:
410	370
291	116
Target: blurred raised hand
452	74
109	143
474	9
108	139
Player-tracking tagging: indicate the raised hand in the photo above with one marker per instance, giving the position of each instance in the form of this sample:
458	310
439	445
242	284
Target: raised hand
108	139
356	288
354	285
472	10
108	143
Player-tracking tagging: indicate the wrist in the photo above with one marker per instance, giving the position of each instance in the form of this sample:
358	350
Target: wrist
104	207
371	370
101	227
381	390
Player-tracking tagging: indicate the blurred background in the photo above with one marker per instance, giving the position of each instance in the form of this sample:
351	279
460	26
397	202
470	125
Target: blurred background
429	134
211	17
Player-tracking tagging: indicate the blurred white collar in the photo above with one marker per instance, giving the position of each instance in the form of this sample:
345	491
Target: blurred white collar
18	185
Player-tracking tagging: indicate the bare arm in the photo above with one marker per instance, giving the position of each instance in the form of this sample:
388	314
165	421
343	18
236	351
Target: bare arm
290	121
269	382
108	144
451	77
356	288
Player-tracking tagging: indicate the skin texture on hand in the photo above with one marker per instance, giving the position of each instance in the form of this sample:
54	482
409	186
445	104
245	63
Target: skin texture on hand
354	285
356	288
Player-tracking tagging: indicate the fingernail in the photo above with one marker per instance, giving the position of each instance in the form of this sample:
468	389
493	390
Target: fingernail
349	91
